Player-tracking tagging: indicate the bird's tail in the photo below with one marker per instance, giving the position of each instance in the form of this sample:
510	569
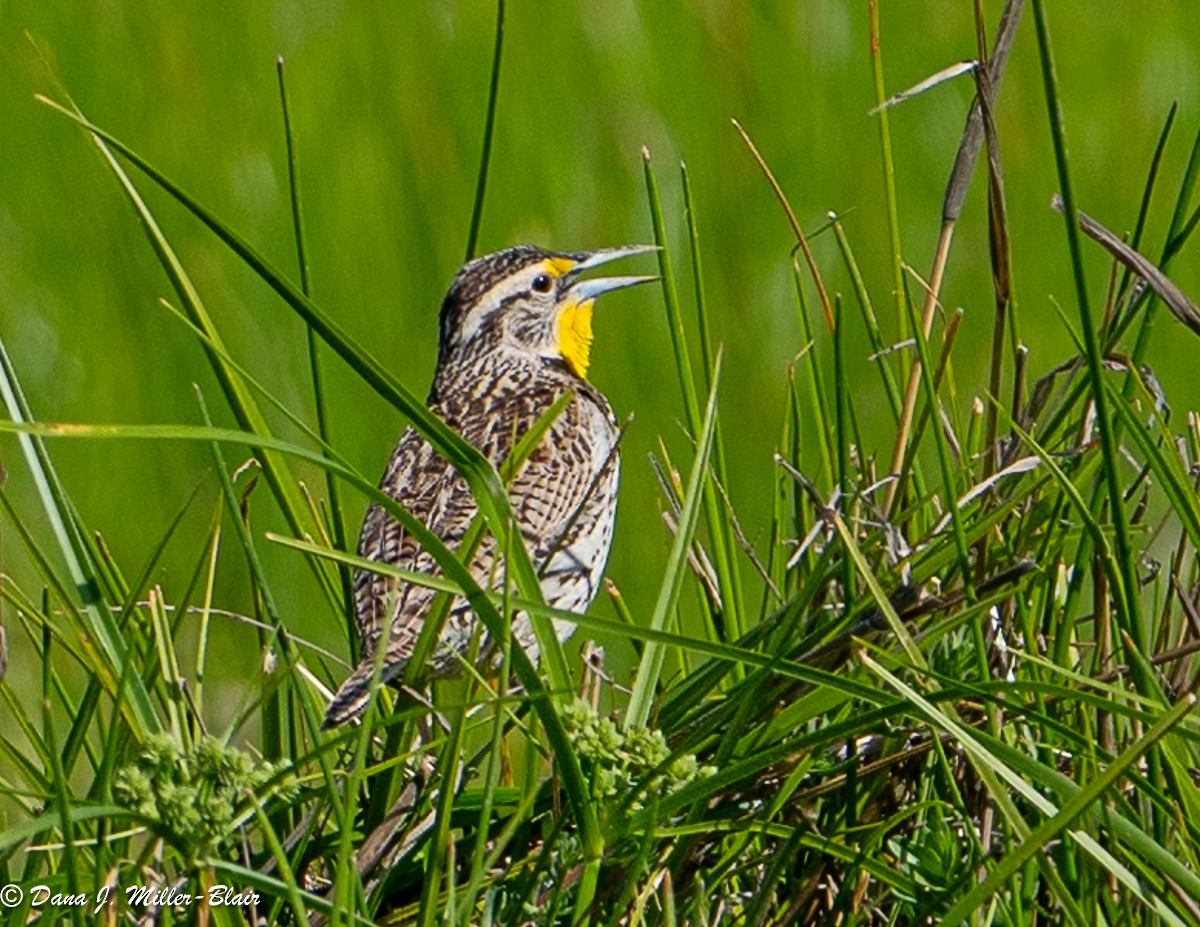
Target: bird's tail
351	699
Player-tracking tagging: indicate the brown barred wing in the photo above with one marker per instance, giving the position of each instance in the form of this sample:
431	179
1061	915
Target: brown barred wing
419	479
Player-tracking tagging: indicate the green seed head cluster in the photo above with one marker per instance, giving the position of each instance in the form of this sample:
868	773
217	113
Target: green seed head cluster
194	792
622	762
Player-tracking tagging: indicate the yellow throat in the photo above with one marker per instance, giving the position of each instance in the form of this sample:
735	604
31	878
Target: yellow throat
575	336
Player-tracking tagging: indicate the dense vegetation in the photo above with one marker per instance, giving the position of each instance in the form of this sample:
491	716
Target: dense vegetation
944	675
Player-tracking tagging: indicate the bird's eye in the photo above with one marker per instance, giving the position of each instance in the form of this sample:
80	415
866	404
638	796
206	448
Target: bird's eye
543	283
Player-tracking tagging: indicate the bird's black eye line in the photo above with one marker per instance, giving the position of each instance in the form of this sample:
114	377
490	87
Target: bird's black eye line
543	283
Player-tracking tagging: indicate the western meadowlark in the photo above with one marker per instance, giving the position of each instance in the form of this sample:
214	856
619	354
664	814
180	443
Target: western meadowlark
515	335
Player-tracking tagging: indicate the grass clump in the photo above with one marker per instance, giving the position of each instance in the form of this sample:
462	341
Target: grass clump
628	767
193	796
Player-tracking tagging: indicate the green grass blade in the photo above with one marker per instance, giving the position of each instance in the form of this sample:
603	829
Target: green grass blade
1139	228
168	666
235	874
98	619
950	494
294	895
1170	470
489	130
728	575
730	653
878	345
541	700
990	770
687	384
1129	604
241	403
822	411
1135	835
452	446
314	349
638	712
855	556
48	821
889	170
62	798
474	467
311	711
1077	805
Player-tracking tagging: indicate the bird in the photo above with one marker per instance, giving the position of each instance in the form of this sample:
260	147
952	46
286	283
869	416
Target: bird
514	337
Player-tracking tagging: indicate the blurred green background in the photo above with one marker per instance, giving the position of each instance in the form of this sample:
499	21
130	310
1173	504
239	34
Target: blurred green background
388	102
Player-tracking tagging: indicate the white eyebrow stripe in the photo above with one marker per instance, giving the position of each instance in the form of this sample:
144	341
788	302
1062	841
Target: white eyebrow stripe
505	289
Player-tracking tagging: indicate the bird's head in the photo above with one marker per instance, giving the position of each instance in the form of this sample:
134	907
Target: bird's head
529	301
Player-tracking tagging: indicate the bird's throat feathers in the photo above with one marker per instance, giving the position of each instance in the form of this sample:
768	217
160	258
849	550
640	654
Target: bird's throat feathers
575	336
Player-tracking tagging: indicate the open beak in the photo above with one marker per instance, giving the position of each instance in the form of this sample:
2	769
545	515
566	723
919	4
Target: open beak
584	290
